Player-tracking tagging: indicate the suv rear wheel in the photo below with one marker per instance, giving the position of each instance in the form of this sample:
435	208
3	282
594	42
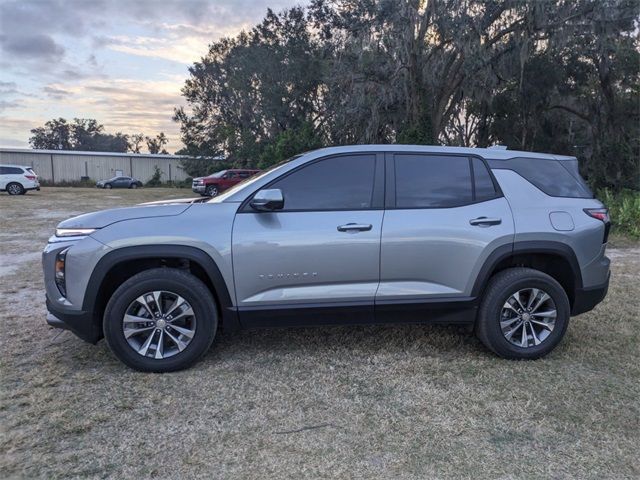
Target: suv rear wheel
160	320
524	314
15	188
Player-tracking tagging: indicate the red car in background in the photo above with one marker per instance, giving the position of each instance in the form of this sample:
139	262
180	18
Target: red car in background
220	181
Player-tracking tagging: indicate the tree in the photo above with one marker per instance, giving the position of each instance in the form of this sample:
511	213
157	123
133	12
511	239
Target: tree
55	135
156	145
248	90
290	142
552	76
136	142
82	134
86	134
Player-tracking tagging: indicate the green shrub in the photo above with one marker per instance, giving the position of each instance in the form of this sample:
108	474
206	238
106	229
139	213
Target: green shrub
624	210
156	178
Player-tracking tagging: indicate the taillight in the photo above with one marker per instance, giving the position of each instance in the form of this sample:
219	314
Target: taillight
30	177
601	214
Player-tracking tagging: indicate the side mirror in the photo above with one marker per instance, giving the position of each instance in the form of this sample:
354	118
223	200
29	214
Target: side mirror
268	200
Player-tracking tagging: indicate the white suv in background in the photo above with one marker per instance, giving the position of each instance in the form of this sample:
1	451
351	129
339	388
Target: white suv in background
17	180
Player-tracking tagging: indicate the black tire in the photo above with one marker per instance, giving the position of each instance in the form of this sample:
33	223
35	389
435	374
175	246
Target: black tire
14	188
180	282
133	185
211	191
500	287
108	186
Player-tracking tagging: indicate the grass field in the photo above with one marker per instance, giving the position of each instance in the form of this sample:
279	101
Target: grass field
357	402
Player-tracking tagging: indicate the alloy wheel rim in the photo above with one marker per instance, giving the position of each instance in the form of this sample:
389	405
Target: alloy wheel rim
14	189
159	324
528	317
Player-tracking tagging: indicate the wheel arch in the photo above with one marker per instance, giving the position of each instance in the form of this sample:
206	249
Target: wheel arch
118	265
553	258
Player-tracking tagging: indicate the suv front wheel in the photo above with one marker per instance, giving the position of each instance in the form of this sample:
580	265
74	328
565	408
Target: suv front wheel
524	314
160	320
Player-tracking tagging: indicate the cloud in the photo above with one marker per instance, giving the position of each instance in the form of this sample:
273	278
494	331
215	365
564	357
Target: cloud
12	142
56	93
40	47
8	87
56	58
6	104
123	105
16	128
71	17
185	50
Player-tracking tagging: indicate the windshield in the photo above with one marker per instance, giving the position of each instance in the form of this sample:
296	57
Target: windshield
218	174
247	181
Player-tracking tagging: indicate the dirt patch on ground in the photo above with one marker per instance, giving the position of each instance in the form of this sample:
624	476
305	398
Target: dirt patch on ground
12	262
361	402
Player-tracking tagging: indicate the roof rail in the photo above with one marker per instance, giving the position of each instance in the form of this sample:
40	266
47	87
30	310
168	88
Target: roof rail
497	147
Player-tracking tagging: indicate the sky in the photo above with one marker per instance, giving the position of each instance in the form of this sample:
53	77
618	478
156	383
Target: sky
122	62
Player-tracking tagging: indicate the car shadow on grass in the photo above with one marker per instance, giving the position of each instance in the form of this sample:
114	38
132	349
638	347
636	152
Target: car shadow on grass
348	340
445	342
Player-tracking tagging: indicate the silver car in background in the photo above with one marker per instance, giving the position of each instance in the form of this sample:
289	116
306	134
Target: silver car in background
510	243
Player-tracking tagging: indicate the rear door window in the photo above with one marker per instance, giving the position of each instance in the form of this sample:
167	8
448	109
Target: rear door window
432	181
483	183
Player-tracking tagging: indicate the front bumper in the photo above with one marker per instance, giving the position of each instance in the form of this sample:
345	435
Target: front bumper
198	188
587	298
81	323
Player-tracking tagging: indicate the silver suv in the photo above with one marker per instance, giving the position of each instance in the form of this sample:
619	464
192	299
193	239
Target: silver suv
511	243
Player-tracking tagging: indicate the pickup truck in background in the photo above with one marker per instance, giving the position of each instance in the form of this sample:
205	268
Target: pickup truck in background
220	181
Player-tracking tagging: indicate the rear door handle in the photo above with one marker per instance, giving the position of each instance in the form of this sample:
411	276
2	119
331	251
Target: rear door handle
354	227
485	222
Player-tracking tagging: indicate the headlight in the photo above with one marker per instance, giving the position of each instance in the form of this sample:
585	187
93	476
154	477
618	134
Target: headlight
60	280
74	232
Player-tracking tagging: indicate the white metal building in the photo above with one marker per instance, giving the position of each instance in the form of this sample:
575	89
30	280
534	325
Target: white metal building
70	165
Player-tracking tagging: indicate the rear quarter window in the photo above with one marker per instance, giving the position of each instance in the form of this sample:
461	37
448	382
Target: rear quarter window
550	176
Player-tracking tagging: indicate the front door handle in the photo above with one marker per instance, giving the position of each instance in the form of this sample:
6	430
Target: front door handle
485	222
354	227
